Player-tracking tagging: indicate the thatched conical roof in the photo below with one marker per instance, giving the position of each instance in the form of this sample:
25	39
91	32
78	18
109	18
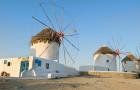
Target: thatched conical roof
130	57
104	50
45	35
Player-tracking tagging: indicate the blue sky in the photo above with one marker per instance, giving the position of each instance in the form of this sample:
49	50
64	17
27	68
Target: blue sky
97	21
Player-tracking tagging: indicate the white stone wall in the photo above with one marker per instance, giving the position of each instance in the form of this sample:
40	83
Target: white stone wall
42	71
34	70
31	61
104	62
51	53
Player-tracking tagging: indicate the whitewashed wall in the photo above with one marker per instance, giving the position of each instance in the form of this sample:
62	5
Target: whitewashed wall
52	52
34	70
42	71
101	64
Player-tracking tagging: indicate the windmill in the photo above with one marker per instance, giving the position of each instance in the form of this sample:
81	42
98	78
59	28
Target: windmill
52	34
118	51
132	62
137	58
137	54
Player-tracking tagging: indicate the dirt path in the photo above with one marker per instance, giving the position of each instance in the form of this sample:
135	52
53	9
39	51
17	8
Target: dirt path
77	83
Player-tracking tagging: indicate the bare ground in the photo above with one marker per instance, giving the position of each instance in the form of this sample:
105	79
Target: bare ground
76	83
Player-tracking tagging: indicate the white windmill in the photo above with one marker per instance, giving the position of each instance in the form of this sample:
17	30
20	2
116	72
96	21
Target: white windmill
131	63
105	58
45	46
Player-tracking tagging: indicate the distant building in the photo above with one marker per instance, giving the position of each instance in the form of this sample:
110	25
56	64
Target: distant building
104	59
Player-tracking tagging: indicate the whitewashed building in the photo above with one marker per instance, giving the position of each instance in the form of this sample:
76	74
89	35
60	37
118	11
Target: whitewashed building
104	59
43	62
131	64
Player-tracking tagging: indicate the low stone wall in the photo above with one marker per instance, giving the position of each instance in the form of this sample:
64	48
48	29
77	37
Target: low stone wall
111	74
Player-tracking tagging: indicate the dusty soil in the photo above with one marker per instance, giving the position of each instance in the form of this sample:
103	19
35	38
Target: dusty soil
76	83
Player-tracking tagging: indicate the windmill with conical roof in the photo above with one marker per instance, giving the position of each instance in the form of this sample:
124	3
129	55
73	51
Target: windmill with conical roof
104	59
108	57
131	63
46	43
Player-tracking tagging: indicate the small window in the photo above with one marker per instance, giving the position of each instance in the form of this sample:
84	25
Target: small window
107	61
38	62
47	66
57	71
8	64
5	61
